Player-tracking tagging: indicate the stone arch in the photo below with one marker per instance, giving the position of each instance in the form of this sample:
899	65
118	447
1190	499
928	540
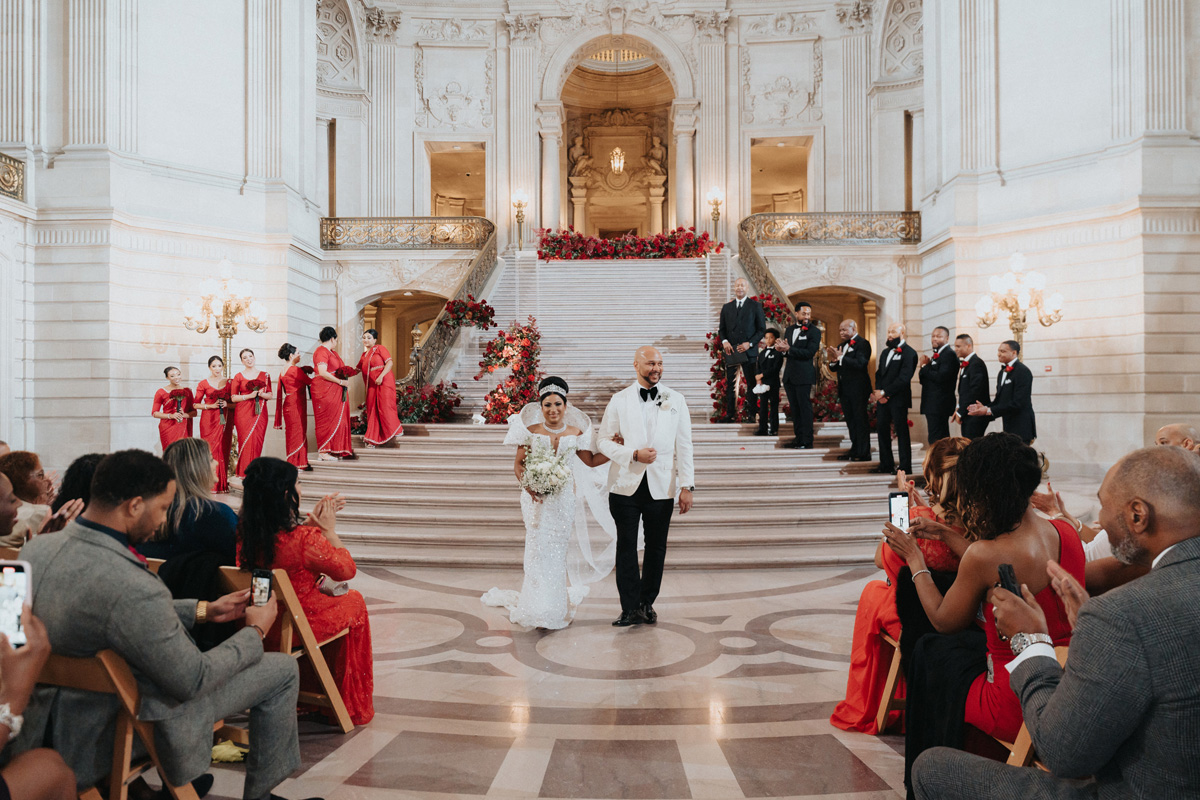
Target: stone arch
338	62
901	42
574	49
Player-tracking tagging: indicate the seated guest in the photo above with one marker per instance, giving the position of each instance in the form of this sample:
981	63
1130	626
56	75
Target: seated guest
94	593
36	492
1124	710
195	521
77	482
948	683
271	535
877	611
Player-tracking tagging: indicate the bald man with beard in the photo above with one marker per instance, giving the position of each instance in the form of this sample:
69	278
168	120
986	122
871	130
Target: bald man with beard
1178	434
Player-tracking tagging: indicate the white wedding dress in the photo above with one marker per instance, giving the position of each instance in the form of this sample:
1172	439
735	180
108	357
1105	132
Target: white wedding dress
561	558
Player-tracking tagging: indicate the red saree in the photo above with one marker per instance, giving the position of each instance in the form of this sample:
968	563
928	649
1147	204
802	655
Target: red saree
331	409
251	427
291	413
383	423
171	430
212	429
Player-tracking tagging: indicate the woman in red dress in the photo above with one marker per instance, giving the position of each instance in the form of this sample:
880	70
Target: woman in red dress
291	407
331	408
250	389
211	396
173	408
383	423
870	656
272	536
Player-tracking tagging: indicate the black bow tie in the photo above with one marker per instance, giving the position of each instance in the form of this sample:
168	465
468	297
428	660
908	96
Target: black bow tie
649	394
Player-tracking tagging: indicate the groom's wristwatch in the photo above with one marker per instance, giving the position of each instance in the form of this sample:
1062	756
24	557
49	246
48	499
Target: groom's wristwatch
690	488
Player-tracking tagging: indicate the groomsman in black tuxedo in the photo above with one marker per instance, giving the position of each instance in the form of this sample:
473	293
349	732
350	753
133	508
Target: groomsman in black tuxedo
1014	395
938	375
801	343
972	387
742	326
770	361
893	399
851	361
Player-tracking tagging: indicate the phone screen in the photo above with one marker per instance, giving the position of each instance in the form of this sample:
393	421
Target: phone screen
260	587
898	509
14	591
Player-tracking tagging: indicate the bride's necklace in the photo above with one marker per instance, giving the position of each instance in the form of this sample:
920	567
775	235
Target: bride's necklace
555	431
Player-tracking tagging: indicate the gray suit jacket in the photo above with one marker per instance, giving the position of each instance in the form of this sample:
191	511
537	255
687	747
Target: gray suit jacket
93	594
1127	707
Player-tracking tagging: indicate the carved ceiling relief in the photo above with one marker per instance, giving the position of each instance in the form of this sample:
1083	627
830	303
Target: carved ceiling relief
455	104
903	44
337	64
777	92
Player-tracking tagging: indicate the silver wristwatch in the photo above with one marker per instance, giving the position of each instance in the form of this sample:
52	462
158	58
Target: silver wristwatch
13	721
1020	641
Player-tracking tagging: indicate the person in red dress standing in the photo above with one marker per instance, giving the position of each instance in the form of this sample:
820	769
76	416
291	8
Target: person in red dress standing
383	422
331	408
291	406
272	535
173	408
250	389
212	396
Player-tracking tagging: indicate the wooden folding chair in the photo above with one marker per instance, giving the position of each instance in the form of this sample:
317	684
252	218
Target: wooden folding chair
108	673
889	702
293	624
154	564
1021	752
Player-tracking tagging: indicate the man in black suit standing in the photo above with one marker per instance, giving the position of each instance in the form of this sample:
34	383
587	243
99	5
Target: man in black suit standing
893	399
938	375
801	343
972	387
766	393
851	360
742	326
1014	395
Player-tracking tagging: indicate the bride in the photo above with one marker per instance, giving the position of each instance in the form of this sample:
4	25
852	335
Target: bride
559	557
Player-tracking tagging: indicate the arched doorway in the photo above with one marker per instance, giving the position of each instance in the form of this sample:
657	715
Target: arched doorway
395	314
832	304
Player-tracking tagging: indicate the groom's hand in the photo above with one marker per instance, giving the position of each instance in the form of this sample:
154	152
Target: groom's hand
685	501
646	455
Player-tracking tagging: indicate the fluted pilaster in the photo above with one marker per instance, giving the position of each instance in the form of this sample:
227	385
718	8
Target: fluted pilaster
382	186
977	36
856	121
522	127
264	88
1166	65
710	138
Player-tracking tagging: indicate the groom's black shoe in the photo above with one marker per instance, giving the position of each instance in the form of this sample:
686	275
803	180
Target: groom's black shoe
628	618
648	613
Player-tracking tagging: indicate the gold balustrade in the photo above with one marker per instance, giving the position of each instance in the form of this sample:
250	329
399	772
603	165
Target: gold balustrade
12	178
405	233
834	228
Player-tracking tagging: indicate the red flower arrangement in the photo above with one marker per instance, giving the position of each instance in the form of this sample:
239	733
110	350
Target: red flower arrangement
309	371
252	387
519	349
429	403
566	245
775	310
469	312
716	379
183	401
225	394
345	373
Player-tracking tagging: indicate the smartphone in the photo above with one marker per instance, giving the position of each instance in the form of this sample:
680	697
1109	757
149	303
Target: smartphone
1008	579
260	587
14	594
898	509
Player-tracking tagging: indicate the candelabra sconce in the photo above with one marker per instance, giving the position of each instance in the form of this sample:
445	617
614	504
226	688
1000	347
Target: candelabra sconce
520	200
1016	293
616	160
715	198
221	303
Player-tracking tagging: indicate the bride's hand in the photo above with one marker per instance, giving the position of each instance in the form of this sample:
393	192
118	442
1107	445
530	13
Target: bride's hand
618	439
537	498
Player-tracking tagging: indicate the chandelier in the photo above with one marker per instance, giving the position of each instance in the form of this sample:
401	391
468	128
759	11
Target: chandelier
1015	293
224	301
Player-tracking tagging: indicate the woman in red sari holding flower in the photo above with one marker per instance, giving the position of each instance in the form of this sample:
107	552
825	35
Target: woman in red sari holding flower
173	408
383	422
212	400
291	406
250	389
331	408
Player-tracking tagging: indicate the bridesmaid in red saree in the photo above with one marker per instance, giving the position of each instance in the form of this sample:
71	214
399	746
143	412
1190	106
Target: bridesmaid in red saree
291	406
331	409
173	408
212	396
249	389
383	422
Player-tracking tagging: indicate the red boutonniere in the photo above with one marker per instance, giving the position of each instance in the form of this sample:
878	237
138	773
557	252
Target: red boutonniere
935	355
899	350
963	364
852	342
1008	368
804	329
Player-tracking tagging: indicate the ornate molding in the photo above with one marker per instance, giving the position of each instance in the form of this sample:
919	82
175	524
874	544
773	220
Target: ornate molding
523	28
12	178
785	99
453	30
903	41
381	26
453	105
856	16
835	227
711	25
404	233
337	59
786	24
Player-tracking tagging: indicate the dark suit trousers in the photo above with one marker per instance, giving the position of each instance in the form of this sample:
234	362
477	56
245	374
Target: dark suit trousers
748	368
974	427
800	399
939	426
854	408
768	407
943	773
655	516
888	416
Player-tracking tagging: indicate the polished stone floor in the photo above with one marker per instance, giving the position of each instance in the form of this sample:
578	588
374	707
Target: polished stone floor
727	697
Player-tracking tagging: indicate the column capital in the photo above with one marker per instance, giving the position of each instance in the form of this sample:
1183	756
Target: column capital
685	113
550	116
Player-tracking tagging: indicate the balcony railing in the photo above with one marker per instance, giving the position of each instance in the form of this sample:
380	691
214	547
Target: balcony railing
405	233
833	228
12	178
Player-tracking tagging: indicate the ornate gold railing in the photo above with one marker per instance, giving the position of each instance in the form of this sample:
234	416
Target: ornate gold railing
834	228
12	178
429	354
404	233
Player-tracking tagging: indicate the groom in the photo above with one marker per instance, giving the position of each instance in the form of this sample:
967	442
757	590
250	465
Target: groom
654	460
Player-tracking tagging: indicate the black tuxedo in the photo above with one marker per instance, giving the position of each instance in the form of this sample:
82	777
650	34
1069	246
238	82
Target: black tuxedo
854	390
738	326
1014	401
770	361
973	388
938	379
893	377
799	376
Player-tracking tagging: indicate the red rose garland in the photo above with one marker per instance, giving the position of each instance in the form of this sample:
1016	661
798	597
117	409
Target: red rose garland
567	244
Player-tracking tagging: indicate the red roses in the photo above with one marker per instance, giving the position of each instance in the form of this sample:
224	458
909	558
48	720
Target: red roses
569	245
345	373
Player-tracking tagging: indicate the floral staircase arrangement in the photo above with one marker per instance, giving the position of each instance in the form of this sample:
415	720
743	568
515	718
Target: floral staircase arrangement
568	245
517	349
469	313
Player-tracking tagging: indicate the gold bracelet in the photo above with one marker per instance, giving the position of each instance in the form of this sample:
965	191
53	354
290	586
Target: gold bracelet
201	612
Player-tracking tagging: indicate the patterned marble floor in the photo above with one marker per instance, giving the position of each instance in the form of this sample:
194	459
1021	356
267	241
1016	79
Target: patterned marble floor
727	697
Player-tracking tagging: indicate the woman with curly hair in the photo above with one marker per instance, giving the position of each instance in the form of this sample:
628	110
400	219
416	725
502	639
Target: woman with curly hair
949	680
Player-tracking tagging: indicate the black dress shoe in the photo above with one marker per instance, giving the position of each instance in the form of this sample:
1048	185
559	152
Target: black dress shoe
648	613
628	618
882	470
772	432
846	457
307	468
761	432
860	458
790	445
804	447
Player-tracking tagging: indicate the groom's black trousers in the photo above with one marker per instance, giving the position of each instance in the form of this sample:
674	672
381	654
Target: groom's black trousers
656	520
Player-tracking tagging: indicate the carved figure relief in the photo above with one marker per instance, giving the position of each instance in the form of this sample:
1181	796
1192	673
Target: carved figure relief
337	62
523	28
786	24
380	25
903	45
787	96
581	162
856	15
452	30
656	157
453	105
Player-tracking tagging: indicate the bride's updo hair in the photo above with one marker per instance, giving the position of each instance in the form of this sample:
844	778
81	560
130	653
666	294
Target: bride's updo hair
552	384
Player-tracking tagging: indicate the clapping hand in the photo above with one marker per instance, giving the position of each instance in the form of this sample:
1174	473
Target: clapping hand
1072	594
782	346
1049	503
324	513
59	519
832	353
924	360
977	410
903	484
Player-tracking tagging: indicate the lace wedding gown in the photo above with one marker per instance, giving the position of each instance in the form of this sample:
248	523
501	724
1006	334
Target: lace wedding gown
560	557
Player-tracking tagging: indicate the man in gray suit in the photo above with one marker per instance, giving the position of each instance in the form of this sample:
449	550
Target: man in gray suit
94	593
1120	720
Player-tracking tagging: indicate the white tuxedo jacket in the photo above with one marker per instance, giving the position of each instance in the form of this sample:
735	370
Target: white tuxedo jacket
672	439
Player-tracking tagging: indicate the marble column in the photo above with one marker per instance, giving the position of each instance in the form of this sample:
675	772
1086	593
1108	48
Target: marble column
522	142
683	122
856	122
550	125
579	204
916	169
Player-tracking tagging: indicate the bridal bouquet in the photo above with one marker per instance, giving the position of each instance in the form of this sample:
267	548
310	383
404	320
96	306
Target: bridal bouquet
345	373
546	473
253	386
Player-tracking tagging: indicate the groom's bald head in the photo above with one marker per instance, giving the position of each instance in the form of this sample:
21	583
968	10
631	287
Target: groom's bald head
649	365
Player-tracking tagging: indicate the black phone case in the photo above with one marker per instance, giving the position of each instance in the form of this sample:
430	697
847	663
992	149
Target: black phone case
1008	579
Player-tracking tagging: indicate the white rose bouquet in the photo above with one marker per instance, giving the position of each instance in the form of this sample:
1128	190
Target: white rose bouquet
546	473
